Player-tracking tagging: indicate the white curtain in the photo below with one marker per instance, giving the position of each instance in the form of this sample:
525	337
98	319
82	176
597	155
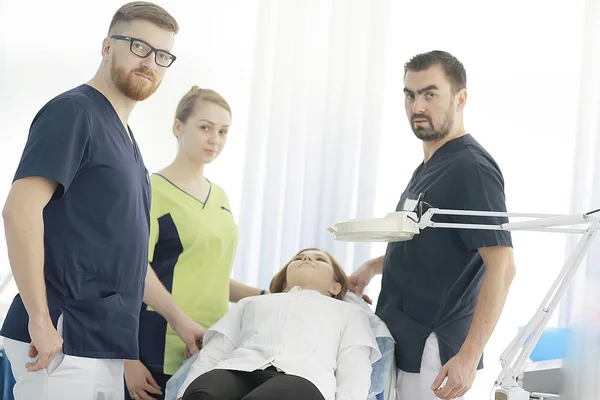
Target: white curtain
316	92
581	308
5	274
313	130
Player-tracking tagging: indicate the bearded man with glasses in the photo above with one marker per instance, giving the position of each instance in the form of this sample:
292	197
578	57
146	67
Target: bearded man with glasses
77	225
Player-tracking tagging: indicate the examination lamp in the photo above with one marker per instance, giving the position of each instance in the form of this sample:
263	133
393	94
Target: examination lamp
404	225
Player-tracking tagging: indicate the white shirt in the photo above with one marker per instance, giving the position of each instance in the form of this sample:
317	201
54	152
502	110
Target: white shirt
304	333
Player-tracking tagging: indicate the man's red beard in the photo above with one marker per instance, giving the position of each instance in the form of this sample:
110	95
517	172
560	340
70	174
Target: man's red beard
135	87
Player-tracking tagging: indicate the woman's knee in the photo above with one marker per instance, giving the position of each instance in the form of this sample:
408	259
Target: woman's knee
199	394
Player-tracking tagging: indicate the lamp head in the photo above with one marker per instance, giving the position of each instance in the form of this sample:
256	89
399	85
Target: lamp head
394	227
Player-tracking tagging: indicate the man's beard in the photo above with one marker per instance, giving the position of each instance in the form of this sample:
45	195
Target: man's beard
132	86
430	133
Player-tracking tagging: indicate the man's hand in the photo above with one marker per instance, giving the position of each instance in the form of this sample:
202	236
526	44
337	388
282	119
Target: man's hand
139	381
190	332
460	371
157	297
24	231
358	281
45	343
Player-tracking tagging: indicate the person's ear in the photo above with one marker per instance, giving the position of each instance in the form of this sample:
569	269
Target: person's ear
462	99
177	128
335	289
106	48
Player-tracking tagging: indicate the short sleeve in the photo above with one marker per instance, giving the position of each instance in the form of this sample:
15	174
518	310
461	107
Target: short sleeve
479	187
57	144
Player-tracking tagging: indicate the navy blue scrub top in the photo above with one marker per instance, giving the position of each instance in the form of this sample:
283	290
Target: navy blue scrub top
430	284
96	227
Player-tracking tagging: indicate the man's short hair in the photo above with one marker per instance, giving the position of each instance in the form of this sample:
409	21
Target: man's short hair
454	70
143	10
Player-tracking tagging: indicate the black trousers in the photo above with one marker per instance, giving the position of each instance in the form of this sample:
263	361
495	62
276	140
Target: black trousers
161	379
268	384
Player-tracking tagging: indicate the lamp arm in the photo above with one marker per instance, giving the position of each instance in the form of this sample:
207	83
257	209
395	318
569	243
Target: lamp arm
539	221
516	354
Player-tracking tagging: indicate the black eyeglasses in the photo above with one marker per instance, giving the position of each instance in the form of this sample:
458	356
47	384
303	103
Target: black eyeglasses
143	49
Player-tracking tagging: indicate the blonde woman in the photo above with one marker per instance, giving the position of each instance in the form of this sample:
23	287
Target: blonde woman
193	238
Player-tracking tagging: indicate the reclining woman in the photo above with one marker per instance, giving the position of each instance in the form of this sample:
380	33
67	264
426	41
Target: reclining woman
299	342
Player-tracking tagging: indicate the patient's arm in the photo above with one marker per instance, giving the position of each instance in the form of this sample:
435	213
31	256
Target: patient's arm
216	350
357	352
353	374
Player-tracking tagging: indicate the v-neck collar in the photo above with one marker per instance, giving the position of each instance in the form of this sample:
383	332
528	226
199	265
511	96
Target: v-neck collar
188	194
451	146
128	133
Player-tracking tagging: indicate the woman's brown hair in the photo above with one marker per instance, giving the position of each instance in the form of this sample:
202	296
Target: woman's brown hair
279	281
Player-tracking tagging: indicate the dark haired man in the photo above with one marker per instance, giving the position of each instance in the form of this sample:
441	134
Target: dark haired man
442	292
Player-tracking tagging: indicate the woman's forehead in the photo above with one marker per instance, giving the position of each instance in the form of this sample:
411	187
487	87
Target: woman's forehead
314	252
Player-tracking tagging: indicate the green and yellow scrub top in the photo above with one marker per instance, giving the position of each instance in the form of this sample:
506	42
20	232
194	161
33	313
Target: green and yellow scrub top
192	247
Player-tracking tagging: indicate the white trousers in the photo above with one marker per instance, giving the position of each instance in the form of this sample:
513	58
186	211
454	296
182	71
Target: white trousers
66	378
417	386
